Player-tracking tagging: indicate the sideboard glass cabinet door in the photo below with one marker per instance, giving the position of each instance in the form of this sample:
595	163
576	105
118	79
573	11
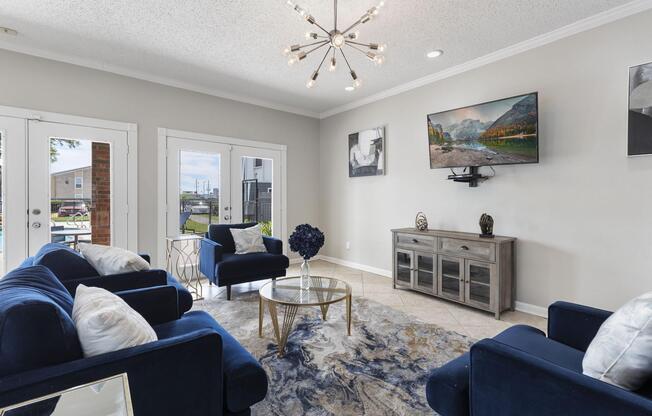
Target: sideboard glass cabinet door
479	290
451	278
404	266
425	272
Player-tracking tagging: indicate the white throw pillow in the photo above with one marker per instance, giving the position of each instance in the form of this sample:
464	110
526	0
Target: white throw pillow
106	323
248	240
112	260
621	352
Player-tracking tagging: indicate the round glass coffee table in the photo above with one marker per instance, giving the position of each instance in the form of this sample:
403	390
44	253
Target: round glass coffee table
288	294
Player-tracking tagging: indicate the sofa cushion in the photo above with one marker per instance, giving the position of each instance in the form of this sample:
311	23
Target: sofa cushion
535	342
447	389
64	262
35	312
245	381
221	233
234	266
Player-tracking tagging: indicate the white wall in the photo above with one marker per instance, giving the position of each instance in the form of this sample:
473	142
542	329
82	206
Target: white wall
46	85
583	216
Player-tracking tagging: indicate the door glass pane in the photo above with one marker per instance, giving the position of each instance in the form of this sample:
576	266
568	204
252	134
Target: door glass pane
257	181
450	268
479	286
403	267
450	280
479	274
199	191
80	191
425	275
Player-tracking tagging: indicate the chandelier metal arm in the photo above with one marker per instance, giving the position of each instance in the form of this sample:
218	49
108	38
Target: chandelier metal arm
316	48
320	27
356	48
368	45
335	14
346	60
352	26
312	44
324	58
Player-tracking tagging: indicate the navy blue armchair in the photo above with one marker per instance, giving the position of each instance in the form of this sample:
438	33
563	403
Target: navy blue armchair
72	269
195	367
218	261
522	372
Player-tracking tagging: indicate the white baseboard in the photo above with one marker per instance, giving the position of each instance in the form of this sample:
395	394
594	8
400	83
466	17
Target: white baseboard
353	265
531	309
519	306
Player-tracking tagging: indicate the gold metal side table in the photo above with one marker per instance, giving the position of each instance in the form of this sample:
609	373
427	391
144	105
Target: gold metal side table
290	295
183	261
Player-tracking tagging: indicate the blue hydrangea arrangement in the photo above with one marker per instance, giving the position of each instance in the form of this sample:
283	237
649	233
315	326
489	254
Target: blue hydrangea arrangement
306	240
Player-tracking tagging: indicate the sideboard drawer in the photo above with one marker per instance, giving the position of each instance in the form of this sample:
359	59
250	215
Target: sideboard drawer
465	248
418	242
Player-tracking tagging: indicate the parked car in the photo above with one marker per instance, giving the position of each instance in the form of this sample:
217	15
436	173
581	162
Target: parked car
68	209
200	208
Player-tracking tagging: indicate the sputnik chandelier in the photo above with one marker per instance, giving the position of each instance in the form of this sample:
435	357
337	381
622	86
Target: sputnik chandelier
335	40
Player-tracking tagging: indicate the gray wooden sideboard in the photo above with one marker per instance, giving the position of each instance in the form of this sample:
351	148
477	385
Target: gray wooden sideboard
461	267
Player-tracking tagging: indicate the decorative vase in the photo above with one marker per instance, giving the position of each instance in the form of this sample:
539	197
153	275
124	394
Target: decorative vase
486	226
304	275
421	222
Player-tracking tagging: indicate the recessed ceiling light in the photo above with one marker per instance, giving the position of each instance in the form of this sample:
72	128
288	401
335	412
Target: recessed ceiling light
434	54
7	31
349	88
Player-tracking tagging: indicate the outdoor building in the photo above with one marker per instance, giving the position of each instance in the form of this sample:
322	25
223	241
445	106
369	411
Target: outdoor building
71	184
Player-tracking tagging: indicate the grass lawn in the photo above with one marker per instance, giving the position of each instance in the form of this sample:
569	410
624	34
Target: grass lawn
57	218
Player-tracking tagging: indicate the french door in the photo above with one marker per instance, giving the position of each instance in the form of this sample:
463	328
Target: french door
77	185
63	182
209	181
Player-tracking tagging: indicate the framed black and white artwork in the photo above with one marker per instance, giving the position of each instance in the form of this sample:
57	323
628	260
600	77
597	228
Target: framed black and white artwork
367	153
639	119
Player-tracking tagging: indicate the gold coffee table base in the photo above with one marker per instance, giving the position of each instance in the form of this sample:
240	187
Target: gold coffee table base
286	294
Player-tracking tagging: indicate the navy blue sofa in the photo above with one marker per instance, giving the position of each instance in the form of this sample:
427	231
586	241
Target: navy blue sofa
522	372
195	367
72	269
218	261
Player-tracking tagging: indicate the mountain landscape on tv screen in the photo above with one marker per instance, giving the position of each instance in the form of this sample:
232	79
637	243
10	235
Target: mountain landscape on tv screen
499	132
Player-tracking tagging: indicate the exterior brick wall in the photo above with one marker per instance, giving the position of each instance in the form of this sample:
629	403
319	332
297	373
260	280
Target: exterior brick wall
101	193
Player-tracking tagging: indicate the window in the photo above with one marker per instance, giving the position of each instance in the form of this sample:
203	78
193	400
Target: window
79	182
258	163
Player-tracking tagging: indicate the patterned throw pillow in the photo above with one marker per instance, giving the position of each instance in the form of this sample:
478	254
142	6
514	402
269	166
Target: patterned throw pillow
248	240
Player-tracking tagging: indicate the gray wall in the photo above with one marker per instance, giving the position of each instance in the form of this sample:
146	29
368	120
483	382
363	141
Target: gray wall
46	85
582	215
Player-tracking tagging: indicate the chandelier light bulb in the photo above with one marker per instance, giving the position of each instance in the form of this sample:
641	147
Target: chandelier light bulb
290	3
371	56
292	61
311	35
333	66
313	80
354	35
357	83
379	60
381	4
349	88
286	51
382	47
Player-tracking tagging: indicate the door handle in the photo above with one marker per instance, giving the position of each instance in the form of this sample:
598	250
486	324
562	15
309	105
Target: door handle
36	225
227	217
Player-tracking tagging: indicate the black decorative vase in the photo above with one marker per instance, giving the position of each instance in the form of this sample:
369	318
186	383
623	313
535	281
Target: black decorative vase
487	226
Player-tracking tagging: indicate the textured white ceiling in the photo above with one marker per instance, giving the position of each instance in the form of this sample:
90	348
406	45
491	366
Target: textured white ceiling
234	46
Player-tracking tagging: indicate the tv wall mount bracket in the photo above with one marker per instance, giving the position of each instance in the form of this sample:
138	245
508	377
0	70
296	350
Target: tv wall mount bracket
470	175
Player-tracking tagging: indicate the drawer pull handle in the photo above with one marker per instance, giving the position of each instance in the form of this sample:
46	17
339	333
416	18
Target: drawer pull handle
415	241
464	248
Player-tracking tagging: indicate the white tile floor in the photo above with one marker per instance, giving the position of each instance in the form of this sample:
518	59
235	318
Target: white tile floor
449	315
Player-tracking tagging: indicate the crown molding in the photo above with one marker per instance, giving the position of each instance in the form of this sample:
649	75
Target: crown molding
583	25
119	70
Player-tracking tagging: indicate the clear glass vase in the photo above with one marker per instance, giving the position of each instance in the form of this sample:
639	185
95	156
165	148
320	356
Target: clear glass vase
305	274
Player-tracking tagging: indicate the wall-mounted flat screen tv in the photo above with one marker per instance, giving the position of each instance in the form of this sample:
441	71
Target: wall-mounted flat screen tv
498	132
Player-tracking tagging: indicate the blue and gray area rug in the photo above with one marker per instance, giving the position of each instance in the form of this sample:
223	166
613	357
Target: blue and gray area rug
381	369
